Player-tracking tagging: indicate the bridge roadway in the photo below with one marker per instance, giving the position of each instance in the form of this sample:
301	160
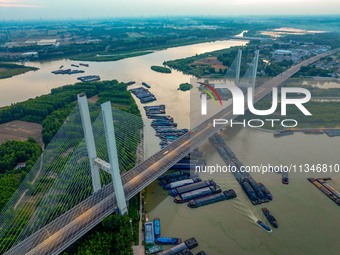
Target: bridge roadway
69	227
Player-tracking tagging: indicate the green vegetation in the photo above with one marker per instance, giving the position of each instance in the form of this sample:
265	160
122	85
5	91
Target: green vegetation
194	65
185	86
161	69
112	237
9	70
12	153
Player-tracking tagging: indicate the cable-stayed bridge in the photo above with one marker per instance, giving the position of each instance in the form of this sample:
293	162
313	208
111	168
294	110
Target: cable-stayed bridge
74	184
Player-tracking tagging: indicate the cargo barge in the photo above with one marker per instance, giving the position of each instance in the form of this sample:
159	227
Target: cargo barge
181	183
332	133
82	64
225	195
168	240
173	177
181	248
270	217
130	83
89	78
149	233
144	95
191	187
285	179
256	192
153	249
203	192
326	189
157	227
146	85
283	133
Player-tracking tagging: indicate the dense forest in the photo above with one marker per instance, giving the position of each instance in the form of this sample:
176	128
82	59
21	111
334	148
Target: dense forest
112	237
12	153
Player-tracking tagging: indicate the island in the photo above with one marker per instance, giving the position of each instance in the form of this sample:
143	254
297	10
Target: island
8	70
161	69
185	86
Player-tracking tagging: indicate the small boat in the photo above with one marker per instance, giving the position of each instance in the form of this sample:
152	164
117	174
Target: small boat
157	227
82	64
168	240
264	226
61	67
154	249
270	217
74	65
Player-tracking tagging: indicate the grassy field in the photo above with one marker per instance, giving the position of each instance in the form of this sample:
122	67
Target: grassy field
20	130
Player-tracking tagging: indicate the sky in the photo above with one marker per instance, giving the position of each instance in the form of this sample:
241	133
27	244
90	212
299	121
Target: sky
65	9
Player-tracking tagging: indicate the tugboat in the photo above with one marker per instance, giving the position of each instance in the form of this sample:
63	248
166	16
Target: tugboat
270	217
264	226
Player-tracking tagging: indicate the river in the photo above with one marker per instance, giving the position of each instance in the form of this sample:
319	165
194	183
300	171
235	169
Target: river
309	222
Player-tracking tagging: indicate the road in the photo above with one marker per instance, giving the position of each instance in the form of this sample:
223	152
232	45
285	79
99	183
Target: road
62	232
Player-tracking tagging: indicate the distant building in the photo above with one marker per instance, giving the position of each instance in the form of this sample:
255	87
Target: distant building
47	42
30	55
281	55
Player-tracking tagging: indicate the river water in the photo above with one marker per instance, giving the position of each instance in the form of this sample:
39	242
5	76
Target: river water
309	222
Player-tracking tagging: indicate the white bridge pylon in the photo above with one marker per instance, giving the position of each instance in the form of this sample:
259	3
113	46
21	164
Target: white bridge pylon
96	163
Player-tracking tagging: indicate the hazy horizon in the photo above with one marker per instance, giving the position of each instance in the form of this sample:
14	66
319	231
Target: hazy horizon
78	9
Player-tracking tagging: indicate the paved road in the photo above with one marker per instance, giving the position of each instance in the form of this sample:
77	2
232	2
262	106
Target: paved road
62	232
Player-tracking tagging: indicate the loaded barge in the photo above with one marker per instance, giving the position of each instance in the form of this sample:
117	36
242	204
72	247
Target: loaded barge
283	133
181	248
186	197
181	183
325	188
191	187
270	217
225	195
256	192
89	78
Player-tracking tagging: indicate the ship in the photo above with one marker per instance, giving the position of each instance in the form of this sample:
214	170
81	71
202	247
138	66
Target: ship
225	195
89	78
157	227
191	187
168	240
146	85
149	234
182	183
264	226
82	64
270	217
186	197
283	133
154	249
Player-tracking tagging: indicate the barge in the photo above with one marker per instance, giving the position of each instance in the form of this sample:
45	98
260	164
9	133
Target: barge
89	78
225	195
157	227
270	217
181	183
149	233
191	187
181	248
186	197
283	133
168	240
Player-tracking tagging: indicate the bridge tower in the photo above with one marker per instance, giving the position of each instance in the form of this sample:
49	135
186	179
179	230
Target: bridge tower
253	76
96	163
238	66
